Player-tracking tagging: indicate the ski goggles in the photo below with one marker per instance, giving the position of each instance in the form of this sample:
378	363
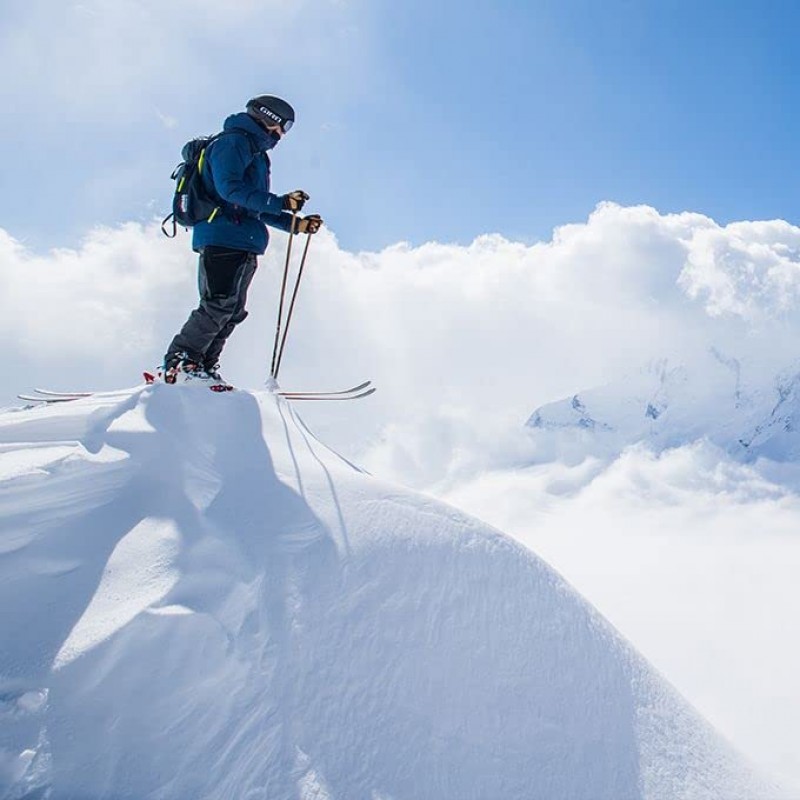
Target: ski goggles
286	126
270	117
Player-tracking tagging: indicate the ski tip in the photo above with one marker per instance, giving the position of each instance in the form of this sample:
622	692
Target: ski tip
322	396
149	377
345	394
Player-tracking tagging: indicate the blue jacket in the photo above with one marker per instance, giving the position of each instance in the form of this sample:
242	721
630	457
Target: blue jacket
237	171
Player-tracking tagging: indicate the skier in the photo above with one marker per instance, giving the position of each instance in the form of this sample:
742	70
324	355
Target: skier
237	170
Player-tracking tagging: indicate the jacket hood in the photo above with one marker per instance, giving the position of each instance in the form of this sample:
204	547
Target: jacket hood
245	122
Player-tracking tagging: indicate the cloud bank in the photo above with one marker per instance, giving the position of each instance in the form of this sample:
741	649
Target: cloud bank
462	341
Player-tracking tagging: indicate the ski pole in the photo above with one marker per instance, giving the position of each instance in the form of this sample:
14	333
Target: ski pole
291	306
273	371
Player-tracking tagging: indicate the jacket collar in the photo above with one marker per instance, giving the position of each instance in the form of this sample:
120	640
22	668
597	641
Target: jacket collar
245	122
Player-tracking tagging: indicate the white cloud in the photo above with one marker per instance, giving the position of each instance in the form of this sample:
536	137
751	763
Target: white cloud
87	316
166	120
751	270
463	342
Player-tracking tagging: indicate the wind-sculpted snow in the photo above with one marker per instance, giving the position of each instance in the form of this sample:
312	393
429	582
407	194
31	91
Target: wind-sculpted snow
199	599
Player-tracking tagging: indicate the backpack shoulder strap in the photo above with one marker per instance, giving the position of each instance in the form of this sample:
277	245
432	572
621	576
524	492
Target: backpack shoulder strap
241	132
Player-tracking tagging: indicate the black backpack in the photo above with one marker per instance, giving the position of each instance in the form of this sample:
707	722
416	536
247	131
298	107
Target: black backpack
192	201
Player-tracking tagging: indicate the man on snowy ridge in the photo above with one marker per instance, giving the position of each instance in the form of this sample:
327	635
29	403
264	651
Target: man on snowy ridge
237	171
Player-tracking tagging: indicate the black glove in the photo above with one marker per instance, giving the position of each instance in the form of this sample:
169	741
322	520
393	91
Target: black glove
310	224
294	201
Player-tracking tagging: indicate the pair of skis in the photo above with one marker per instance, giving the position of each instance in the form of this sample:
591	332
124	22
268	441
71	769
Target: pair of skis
365	389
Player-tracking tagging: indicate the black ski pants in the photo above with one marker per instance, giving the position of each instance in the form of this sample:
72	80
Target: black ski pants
224	276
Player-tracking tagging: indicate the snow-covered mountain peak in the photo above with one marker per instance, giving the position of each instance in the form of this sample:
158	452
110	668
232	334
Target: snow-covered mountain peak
202	600
668	404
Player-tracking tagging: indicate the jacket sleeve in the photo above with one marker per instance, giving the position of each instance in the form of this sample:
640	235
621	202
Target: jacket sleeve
282	221
229	158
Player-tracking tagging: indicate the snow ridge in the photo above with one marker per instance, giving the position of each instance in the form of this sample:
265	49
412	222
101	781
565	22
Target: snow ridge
202	600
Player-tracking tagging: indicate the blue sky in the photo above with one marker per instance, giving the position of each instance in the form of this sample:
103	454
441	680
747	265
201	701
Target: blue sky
416	121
